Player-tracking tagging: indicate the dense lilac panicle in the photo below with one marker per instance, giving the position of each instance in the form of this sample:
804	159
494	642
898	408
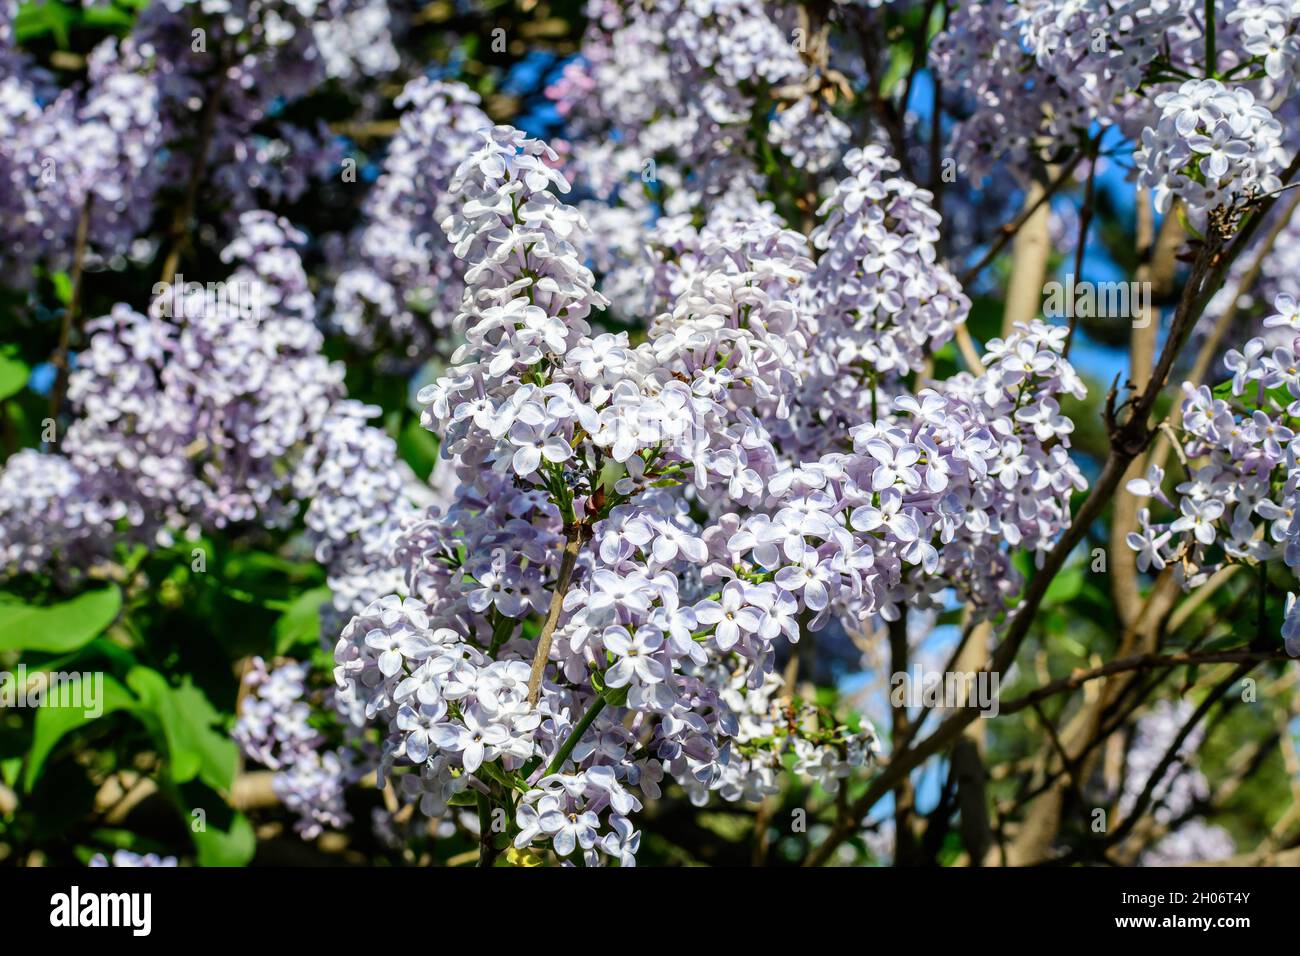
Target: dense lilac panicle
356	485
356	40
534	405
739	335
885	301
1097	52
673	245
1237	500
618	247
1036	71
121	119
1212	146
103	151
811	135
525	305
362	500
981	55
188	414
1034	79
275	729
677	85
90	153
934	495
407	286
679	616
208	73
50	518
1013	420
225	70
273	724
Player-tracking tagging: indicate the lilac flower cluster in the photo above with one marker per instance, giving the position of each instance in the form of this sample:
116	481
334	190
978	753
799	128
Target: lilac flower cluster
189	422
49	517
407	286
211	74
275	729
1031	72
82	159
130	859
810	134
1212	146
524	310
256	57
216	409
1237	500
885	301
680	83
1267	31
356	484
982	55
1177	793
709	545
1098	54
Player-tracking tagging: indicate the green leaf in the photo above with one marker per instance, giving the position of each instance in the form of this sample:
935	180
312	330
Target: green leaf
1065	587
259	567
58	628
13	376
232	847
62	283
418	448
984	321
108	17
186	717
53	723
466	798
34	20
615	696
300	624
222	836
1226	642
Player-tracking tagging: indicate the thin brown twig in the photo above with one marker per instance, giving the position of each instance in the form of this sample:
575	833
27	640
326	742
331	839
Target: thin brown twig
184	213
1008	231
572	544
1085	222
1173	753
1138	662
72	314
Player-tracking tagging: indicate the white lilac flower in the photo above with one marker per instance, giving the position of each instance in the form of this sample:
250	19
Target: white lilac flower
1212	146
126	858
